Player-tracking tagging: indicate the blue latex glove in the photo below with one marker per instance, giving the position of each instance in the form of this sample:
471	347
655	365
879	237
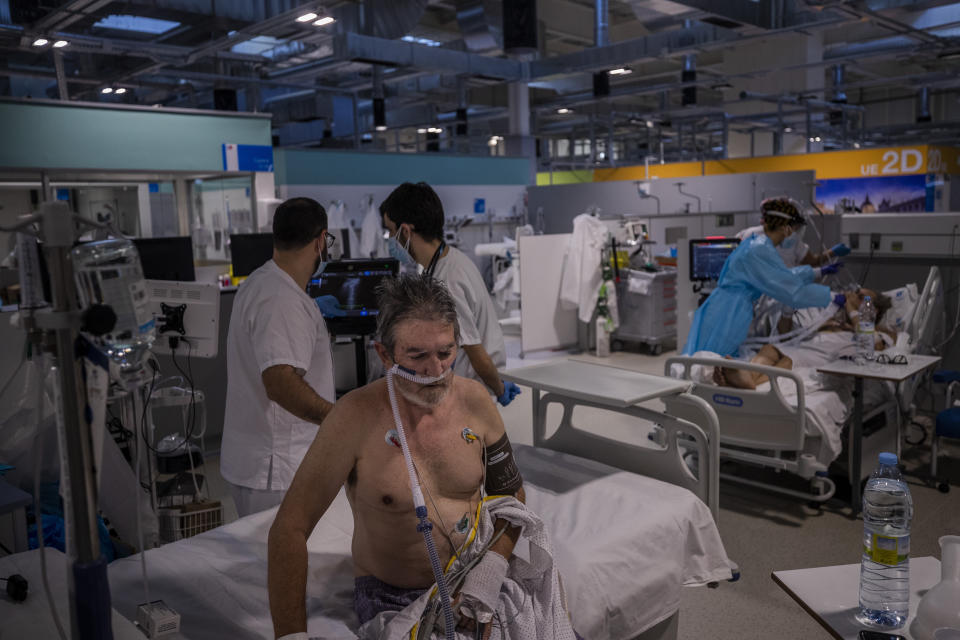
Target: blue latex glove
840	250
840	300
830	269
510	391
329	306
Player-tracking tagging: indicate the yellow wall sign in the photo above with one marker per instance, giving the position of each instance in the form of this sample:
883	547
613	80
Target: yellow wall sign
860	163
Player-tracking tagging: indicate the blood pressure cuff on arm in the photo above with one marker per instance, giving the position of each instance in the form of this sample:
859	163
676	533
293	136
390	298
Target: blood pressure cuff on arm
503	476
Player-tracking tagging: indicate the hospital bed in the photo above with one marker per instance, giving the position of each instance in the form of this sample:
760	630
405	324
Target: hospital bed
625	546
795	423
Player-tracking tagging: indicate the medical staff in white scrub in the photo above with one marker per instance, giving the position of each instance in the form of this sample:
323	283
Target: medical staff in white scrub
795	252
413	216
279	362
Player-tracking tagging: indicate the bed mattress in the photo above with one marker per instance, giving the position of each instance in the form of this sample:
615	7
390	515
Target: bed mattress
625	546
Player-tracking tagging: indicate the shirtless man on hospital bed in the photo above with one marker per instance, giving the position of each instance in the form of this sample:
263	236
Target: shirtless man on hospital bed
356	447
841	323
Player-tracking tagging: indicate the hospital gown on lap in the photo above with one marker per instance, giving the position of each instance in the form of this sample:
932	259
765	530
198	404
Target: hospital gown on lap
753	270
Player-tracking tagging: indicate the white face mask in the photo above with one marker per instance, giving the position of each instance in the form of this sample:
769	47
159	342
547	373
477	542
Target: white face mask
401	253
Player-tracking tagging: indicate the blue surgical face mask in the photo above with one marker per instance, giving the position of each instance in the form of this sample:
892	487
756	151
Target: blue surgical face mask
401	253
790	241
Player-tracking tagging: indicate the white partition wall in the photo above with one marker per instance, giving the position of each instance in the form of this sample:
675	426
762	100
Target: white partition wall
544	324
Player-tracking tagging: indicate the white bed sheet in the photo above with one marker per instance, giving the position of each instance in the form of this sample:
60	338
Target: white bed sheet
625	545
828	399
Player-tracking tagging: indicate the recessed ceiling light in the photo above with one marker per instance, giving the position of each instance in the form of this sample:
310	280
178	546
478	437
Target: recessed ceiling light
106	90
39	42
622	71
817	139
421	130
564	110
381	127
307	17
60	43
787	129
493	141
121	91
325	20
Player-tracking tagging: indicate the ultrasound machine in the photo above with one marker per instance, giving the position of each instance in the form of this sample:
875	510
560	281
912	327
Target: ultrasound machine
354	284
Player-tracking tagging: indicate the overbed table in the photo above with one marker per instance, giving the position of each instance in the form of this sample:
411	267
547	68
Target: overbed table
895	373
831	595
572	383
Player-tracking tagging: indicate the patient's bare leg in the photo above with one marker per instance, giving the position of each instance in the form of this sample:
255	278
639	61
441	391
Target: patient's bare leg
769	356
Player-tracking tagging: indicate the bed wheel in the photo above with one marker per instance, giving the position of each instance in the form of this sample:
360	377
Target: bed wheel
943	487
656	349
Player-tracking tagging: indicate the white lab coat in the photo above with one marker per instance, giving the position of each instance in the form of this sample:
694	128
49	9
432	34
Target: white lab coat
582	276
371	230
792	257
273	322
476	314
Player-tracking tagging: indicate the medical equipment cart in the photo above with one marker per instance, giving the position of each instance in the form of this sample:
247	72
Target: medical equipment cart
647	303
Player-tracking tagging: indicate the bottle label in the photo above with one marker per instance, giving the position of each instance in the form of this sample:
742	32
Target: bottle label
888	550
865	327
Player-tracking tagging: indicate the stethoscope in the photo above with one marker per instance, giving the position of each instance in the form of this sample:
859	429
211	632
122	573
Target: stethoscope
436	259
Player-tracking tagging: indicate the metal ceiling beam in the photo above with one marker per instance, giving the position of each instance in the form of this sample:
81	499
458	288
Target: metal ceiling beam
65	15
654	45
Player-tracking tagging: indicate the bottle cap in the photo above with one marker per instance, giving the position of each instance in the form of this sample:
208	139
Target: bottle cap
866	298
887	458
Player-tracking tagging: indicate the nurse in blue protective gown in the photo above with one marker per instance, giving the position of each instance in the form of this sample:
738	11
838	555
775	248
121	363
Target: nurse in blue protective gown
754	269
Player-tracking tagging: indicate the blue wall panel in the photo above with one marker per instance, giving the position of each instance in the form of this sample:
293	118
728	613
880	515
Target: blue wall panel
298	166
45	135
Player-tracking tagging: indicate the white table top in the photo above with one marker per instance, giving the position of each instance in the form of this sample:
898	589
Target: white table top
595	383
832	594
31	618
892	372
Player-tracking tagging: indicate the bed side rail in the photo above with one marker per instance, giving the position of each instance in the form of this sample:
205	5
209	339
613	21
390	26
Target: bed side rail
754	419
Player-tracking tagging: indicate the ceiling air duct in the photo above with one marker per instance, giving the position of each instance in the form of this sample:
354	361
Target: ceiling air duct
479	22
392	19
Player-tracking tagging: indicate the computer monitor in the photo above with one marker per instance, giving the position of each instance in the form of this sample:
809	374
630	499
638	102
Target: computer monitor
248	252
166	258
353	283
707	256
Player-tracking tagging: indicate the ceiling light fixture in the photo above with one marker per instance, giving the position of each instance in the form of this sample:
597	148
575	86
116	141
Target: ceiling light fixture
120	91
106	90
421	130
622	71
817	139
493	141
381	127
787	129
60	43
324	21
39	42
307	17
564	110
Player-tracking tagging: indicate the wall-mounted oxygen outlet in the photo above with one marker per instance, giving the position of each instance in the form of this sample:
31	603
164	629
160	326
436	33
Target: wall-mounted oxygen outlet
874	241
854	240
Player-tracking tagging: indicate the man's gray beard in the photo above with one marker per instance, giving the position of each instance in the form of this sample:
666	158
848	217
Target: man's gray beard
428	398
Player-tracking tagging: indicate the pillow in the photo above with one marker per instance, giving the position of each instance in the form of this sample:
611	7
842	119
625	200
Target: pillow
904	301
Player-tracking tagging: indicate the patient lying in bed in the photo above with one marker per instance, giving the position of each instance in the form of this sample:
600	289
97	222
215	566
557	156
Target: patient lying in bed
835	338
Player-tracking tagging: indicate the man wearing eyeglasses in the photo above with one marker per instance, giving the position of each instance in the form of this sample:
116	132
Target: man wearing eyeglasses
279	362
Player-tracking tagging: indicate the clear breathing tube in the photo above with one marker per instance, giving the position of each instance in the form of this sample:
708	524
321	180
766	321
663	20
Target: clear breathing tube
425	527
797	335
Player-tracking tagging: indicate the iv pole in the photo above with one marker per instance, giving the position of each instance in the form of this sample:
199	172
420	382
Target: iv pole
89	588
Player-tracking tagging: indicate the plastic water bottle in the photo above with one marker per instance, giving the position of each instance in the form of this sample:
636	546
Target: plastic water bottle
885	564
108	272
866	329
